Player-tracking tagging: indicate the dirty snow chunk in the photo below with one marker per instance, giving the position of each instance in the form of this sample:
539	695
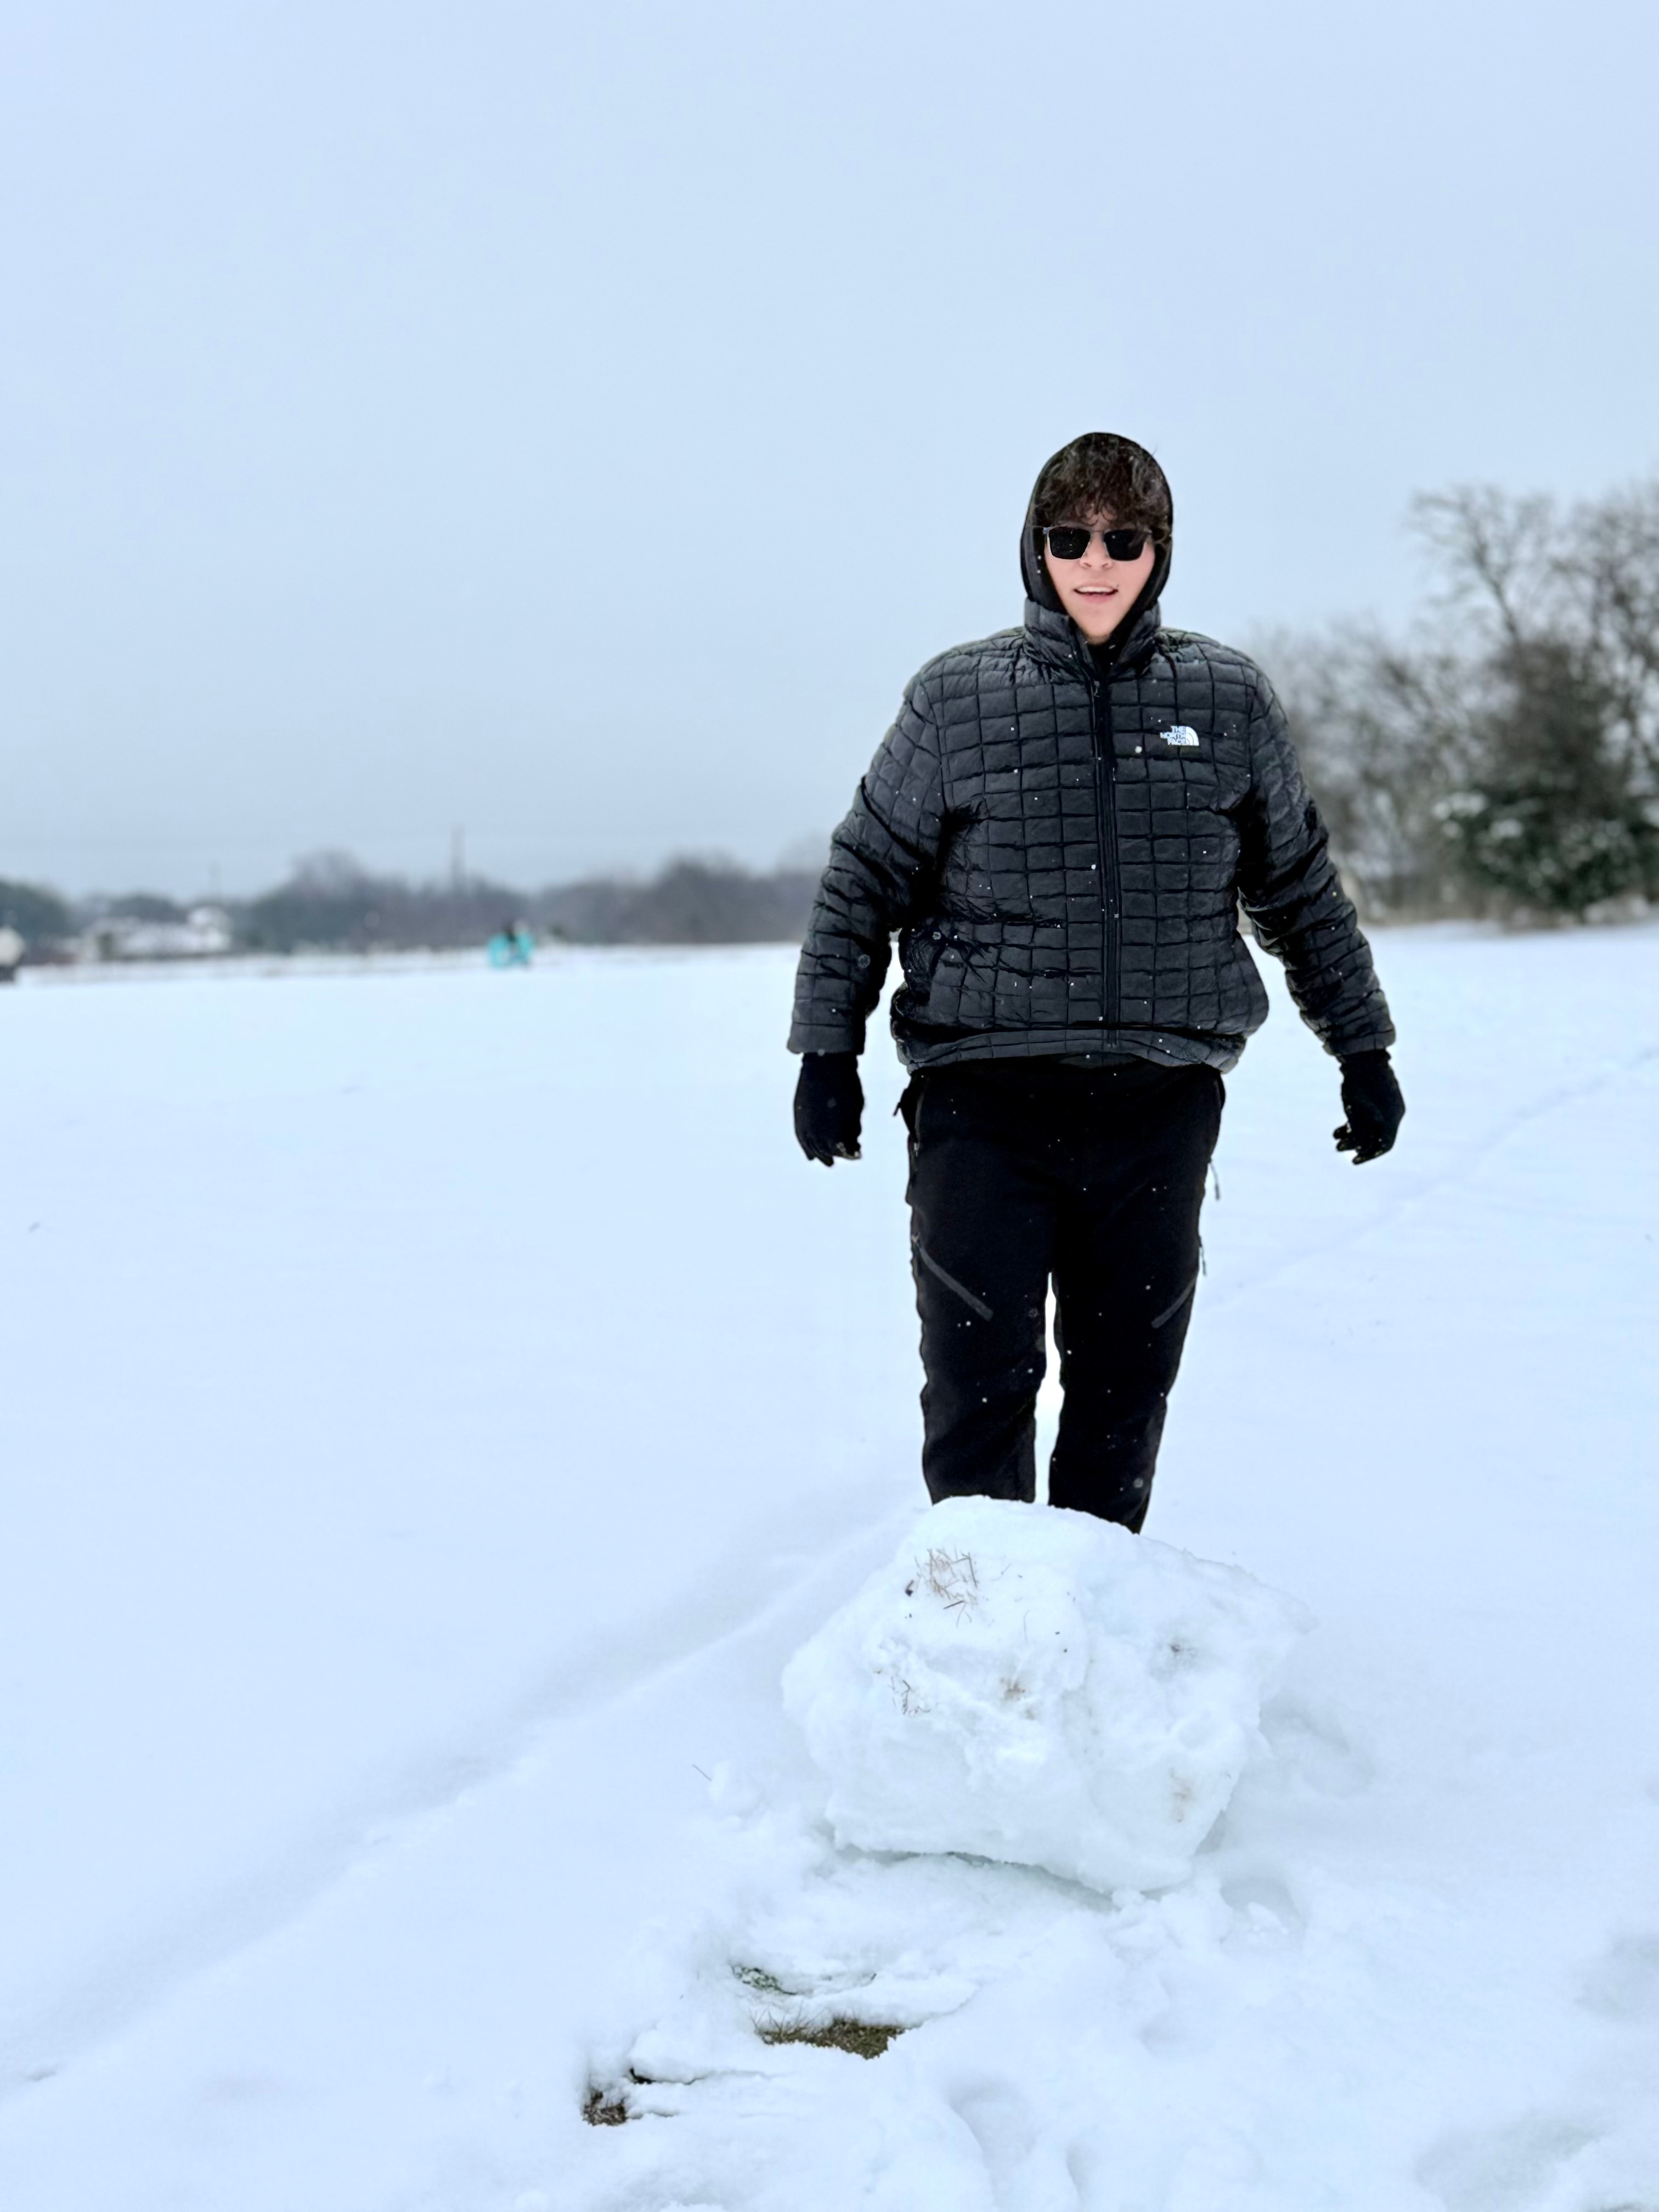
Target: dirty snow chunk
1042	1688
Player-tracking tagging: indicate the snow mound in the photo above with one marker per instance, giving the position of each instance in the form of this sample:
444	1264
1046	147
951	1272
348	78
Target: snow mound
1042	1687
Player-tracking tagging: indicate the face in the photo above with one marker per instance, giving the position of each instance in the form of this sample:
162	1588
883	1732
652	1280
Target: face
1096	591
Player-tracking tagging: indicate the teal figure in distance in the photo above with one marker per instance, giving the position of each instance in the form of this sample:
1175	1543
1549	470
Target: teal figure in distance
512	947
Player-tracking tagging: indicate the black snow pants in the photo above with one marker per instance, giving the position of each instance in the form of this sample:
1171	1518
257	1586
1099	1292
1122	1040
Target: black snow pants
1025	1172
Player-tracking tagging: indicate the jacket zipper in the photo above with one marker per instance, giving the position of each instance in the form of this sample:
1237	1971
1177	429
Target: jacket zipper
1105	753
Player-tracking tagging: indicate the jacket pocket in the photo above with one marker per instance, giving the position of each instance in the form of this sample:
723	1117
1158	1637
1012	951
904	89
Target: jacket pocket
950	974
920	950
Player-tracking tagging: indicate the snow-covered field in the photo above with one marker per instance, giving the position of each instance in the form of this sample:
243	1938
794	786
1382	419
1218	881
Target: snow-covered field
437	1405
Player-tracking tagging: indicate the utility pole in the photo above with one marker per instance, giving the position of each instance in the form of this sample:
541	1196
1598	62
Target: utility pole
457	859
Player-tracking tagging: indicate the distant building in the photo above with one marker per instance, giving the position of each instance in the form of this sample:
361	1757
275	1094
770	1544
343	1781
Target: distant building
203	933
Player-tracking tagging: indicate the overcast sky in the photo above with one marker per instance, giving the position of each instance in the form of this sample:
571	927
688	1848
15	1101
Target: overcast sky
576	423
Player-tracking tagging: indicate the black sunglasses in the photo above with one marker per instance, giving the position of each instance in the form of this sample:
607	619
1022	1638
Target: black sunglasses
1069	541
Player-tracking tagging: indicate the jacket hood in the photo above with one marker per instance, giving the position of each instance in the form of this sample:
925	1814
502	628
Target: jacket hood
1142	619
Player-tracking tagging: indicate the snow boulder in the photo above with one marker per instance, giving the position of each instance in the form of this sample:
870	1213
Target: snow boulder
1042	1688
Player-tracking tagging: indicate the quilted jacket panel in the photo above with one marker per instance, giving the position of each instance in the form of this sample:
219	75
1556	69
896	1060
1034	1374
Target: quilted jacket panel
1064	856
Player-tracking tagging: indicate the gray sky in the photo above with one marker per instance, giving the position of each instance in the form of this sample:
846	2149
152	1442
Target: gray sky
577	423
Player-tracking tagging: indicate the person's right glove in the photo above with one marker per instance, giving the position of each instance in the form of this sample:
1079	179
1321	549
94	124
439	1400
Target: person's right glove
1373	1101
829	1106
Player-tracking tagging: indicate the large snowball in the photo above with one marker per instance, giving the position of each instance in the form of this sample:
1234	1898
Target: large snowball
1042	1688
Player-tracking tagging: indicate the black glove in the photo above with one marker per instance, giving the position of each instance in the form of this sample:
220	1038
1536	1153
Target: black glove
829	1106
1372	1102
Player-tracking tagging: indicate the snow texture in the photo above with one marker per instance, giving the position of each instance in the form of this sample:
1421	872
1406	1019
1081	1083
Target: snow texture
416	1475
1038	1687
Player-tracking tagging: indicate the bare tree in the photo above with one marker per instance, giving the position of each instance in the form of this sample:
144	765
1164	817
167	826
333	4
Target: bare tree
1615	577
1497	556
1506	757
1377	728
1554	811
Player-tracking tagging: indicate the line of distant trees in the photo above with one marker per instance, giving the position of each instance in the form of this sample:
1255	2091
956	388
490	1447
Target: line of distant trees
1501	760
331	902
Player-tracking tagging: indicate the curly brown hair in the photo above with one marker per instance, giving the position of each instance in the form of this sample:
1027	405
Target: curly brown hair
1100	473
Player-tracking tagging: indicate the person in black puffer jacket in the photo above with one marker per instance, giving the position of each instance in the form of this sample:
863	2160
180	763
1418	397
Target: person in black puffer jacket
1062	825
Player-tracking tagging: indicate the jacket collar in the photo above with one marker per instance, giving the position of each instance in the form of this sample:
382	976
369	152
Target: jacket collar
1054	636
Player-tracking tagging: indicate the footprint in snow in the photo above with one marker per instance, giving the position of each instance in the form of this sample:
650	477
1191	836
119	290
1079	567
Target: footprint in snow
1624	1983
1503	2169
1311	1743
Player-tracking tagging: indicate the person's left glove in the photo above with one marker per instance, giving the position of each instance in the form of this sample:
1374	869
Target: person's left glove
829	1106
1371	1100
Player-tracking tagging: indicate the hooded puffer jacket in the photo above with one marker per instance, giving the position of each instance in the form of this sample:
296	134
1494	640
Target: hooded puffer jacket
1064	851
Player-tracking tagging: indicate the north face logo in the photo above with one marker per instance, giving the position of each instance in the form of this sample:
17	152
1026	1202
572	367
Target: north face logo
1181	735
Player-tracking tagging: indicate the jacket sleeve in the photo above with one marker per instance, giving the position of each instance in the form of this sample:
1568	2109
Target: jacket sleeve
883	863
1289	887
